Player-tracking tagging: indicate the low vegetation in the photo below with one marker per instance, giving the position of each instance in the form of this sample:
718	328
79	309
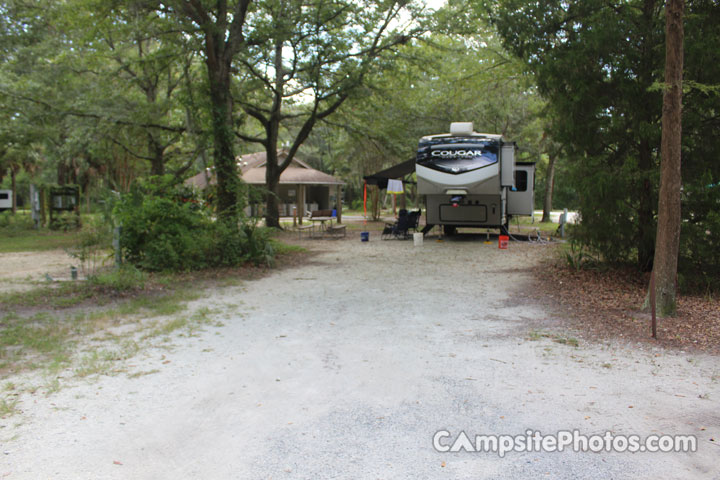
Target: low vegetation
90	327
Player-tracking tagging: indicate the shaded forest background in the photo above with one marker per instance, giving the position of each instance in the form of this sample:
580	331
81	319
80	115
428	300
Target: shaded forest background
104	94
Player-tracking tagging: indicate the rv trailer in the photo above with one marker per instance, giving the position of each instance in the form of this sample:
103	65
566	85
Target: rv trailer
471	179
5	200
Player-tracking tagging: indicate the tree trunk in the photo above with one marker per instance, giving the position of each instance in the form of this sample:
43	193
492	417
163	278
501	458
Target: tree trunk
549	186
228	181
667	243
157	154
272	180
375	202
273	169
222	38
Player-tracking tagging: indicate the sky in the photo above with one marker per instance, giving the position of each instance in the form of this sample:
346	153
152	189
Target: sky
435	4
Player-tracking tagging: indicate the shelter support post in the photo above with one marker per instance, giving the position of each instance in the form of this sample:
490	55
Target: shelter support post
300	207
338	201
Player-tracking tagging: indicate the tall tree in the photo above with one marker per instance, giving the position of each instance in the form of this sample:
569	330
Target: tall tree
220	27
306	60
144	68
596	63
438	79
667	244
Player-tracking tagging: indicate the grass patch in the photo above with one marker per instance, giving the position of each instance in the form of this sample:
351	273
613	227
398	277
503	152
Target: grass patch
191	324
54	295
46	340
95	363
167	328
573	342
561	339
8	407
143	373
35	241
281	248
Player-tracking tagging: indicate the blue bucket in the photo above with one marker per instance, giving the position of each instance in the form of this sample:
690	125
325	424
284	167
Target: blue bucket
364	236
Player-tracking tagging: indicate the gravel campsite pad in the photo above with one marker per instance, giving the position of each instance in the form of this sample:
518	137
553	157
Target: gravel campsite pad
347	365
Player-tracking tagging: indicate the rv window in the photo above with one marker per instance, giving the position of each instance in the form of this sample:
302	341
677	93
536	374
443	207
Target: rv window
4	196
521	180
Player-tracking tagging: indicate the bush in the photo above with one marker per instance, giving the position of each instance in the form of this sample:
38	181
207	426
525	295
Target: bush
66	221
92	246
169	228
122	279
699	264
19	222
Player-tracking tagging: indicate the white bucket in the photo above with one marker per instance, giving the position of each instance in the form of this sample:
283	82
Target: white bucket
418	239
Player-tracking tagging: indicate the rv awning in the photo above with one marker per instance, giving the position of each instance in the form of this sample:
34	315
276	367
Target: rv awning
396	171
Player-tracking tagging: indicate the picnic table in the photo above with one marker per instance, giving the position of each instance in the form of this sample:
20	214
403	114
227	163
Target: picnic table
324	221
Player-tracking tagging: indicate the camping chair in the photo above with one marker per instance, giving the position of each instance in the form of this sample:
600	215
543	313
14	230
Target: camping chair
406	221
413	221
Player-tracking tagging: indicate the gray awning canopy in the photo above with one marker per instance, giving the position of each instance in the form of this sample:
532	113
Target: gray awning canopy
398	171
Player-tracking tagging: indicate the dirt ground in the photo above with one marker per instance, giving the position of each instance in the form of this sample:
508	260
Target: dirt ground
20	270
348	364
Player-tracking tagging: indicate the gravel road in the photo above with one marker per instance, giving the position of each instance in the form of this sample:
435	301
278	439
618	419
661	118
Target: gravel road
347	366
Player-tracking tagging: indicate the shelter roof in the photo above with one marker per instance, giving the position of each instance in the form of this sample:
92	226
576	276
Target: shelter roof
252	170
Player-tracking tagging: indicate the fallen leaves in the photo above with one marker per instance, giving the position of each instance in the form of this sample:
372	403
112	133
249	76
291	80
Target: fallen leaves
607	304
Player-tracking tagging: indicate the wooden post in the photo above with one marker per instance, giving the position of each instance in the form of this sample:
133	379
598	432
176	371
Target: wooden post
300	203
338	203
376	202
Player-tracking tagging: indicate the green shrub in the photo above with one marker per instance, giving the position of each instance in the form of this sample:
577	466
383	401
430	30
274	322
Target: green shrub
699	265
167	228
256	245
125	278
65	221
19	222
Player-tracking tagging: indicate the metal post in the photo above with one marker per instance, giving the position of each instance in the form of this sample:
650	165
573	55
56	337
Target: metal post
35	205
116	245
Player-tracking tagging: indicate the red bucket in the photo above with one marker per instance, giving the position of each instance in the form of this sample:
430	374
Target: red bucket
503	242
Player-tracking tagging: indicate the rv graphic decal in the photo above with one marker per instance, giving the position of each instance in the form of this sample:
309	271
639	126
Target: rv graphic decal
457	153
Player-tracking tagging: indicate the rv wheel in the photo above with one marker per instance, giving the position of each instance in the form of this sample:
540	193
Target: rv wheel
449	230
